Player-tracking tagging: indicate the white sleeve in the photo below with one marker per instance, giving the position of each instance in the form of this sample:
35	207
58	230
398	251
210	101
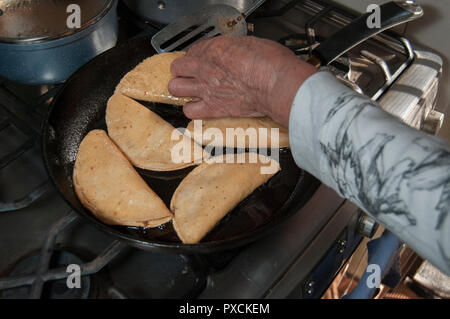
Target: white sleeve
398	175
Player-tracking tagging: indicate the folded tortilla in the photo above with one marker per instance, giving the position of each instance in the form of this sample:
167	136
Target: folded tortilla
146	139
210	191
109	186
248	129
149	80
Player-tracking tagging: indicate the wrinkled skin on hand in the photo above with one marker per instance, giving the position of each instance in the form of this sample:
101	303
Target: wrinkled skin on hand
239	77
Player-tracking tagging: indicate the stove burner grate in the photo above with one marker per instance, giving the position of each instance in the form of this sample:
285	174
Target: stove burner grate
22	120
36	270
57	289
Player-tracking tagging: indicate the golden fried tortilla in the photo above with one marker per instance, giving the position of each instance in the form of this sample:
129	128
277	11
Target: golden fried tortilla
243	123
108	185
146	139
210	191
150	79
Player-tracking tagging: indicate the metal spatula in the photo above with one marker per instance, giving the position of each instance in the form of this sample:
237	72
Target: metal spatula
213	20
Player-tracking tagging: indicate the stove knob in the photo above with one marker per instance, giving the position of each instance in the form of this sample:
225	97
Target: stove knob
367	226
433	123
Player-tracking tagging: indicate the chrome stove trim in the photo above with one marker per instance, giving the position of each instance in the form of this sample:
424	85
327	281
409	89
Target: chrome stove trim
399	71
380	62
387	38
417	85
340	20
345	217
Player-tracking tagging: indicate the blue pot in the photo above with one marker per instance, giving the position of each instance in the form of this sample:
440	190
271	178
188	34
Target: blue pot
53	61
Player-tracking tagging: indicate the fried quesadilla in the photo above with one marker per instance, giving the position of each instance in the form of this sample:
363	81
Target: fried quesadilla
149	80
212	190
109	186
147	140
246	133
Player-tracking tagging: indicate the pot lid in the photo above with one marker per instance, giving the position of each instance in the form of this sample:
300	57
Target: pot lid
39	20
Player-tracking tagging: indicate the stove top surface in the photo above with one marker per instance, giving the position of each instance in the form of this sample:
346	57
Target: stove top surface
271	267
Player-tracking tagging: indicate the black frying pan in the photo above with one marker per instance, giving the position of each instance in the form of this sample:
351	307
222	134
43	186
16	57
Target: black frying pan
80	108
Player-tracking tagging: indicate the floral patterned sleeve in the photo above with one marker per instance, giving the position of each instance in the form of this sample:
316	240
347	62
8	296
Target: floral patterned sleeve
398	175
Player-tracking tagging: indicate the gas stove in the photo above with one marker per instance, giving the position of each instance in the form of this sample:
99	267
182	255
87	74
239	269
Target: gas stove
40	235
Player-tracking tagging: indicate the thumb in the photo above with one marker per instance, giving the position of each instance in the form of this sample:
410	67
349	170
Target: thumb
196	110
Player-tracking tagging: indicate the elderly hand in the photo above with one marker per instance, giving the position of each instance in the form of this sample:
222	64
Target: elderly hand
239	77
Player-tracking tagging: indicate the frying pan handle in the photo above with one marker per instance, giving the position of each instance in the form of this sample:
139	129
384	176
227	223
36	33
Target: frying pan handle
391	14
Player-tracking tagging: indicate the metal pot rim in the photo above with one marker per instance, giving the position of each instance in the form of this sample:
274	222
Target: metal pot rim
94	20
